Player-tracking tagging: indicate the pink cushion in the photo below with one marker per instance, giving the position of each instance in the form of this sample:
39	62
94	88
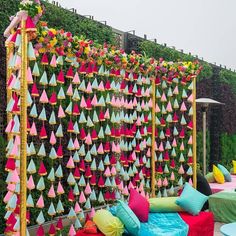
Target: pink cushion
139	205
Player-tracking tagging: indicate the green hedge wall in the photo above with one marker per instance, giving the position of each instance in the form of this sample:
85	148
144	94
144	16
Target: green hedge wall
61	19
152	49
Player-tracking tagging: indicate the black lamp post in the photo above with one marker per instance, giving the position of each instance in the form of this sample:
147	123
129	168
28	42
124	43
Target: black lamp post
205	102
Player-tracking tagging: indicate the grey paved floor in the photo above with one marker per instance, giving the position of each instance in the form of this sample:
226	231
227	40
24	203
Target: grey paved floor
217	228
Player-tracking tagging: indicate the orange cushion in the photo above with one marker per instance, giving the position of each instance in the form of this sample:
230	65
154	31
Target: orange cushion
90	227
82	233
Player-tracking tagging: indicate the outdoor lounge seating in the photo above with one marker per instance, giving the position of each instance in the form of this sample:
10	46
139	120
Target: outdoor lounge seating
202	224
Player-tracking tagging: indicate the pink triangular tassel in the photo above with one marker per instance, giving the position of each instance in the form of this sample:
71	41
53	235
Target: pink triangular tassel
183	107
159	183
143	104
29	76
72	231
190	181
92	213
88	189
100	149
190	98
82	198
77	208
169	107
14	150
51	192
143	193
11	187
130	185
69	91
107	114
33	130
7	196
53	139
172	176
43	97
101	86
148	152
157	108
76	79
121	186
61	113
138	122
181	170
163	97
11	81
134	155
113	147
94	101
83	103
60	189
9	126
161	147
190	141
174	143
176	90
113	171
107	172
89	88
40	202
30	183
125	191
53	62
76	143
70	163
88	139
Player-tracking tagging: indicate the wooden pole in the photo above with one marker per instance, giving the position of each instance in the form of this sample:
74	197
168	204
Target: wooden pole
153	171
23	130
194	135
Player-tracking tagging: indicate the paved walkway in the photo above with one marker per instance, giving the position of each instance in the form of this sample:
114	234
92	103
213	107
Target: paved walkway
217	228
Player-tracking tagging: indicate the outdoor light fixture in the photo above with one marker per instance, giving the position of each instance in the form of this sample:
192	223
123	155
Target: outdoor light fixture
89	16
103	21
205	102
131	31
155	40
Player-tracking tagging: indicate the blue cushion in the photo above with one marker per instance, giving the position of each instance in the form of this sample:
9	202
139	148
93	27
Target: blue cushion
225	172
191	200
113	210
128	218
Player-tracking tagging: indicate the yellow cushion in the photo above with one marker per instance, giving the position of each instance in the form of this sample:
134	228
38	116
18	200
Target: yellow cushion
218	175
108	224
234	167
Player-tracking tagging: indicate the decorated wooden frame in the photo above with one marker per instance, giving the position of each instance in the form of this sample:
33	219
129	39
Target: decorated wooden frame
87	122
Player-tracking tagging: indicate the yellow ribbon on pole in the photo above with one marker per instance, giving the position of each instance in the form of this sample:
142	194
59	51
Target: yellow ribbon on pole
153	171
23	130
194	135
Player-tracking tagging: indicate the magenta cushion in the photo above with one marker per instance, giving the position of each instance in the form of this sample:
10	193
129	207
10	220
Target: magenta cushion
139	205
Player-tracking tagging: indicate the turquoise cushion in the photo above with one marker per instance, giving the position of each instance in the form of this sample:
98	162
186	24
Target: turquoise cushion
225	172
191	200
128	218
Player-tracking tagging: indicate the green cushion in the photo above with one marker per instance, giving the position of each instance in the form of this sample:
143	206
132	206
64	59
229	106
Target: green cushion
225	173
191	200
164	204
232	171
210	177
128	218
